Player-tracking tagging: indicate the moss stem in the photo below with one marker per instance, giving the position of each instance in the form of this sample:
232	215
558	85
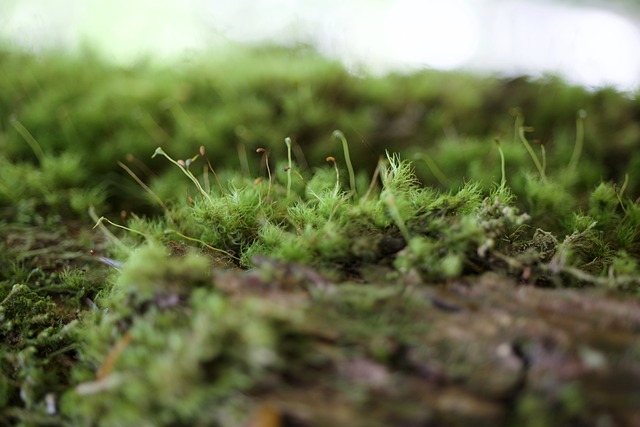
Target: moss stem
345	146
24	132
185	170
532	153
287	141
433	167
503	171
577	148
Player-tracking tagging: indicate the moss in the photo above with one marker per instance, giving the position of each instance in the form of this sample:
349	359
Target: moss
205	357
447	234
57	186
346	249
144	279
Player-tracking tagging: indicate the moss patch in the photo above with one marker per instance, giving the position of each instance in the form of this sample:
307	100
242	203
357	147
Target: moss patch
264	269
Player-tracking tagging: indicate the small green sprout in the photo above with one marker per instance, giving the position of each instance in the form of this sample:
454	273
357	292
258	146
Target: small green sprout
265	157
345	146
503	178
144	186
24	132
374	179
287	141
215	175
577	148
621	191
534	157
390	201
433	167
123	227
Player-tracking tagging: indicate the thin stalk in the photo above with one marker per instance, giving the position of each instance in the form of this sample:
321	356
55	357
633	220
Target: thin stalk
205	179
148	172
620	193
104	219
624	184
577	148
193	239
300	158
390	200
265	156
287	141
106	232
533	155
114	354
345	146
152	127
24	132
215	175
244	159
144	186
518	124
433	167
335	167
374	178
69	129
185	170
503	170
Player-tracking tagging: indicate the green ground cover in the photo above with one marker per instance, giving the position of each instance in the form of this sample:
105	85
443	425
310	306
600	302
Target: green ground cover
200	245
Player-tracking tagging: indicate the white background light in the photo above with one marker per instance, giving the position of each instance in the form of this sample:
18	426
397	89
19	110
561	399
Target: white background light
433	33
586	45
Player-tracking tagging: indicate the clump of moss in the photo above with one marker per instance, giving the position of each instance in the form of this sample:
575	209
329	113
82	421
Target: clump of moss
411	228
39	340
45	283
55	187
168	345
206	358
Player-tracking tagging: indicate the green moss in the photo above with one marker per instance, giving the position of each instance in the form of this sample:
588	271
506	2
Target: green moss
166	338
179	363
57	187
149	273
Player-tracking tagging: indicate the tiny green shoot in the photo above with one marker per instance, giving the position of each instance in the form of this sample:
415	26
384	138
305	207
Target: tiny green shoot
337	134
503	177
577	148
24	132
144	186
433	167
534	157
390	201
287	141
265	157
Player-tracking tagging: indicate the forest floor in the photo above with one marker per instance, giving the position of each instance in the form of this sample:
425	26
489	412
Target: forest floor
486	274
